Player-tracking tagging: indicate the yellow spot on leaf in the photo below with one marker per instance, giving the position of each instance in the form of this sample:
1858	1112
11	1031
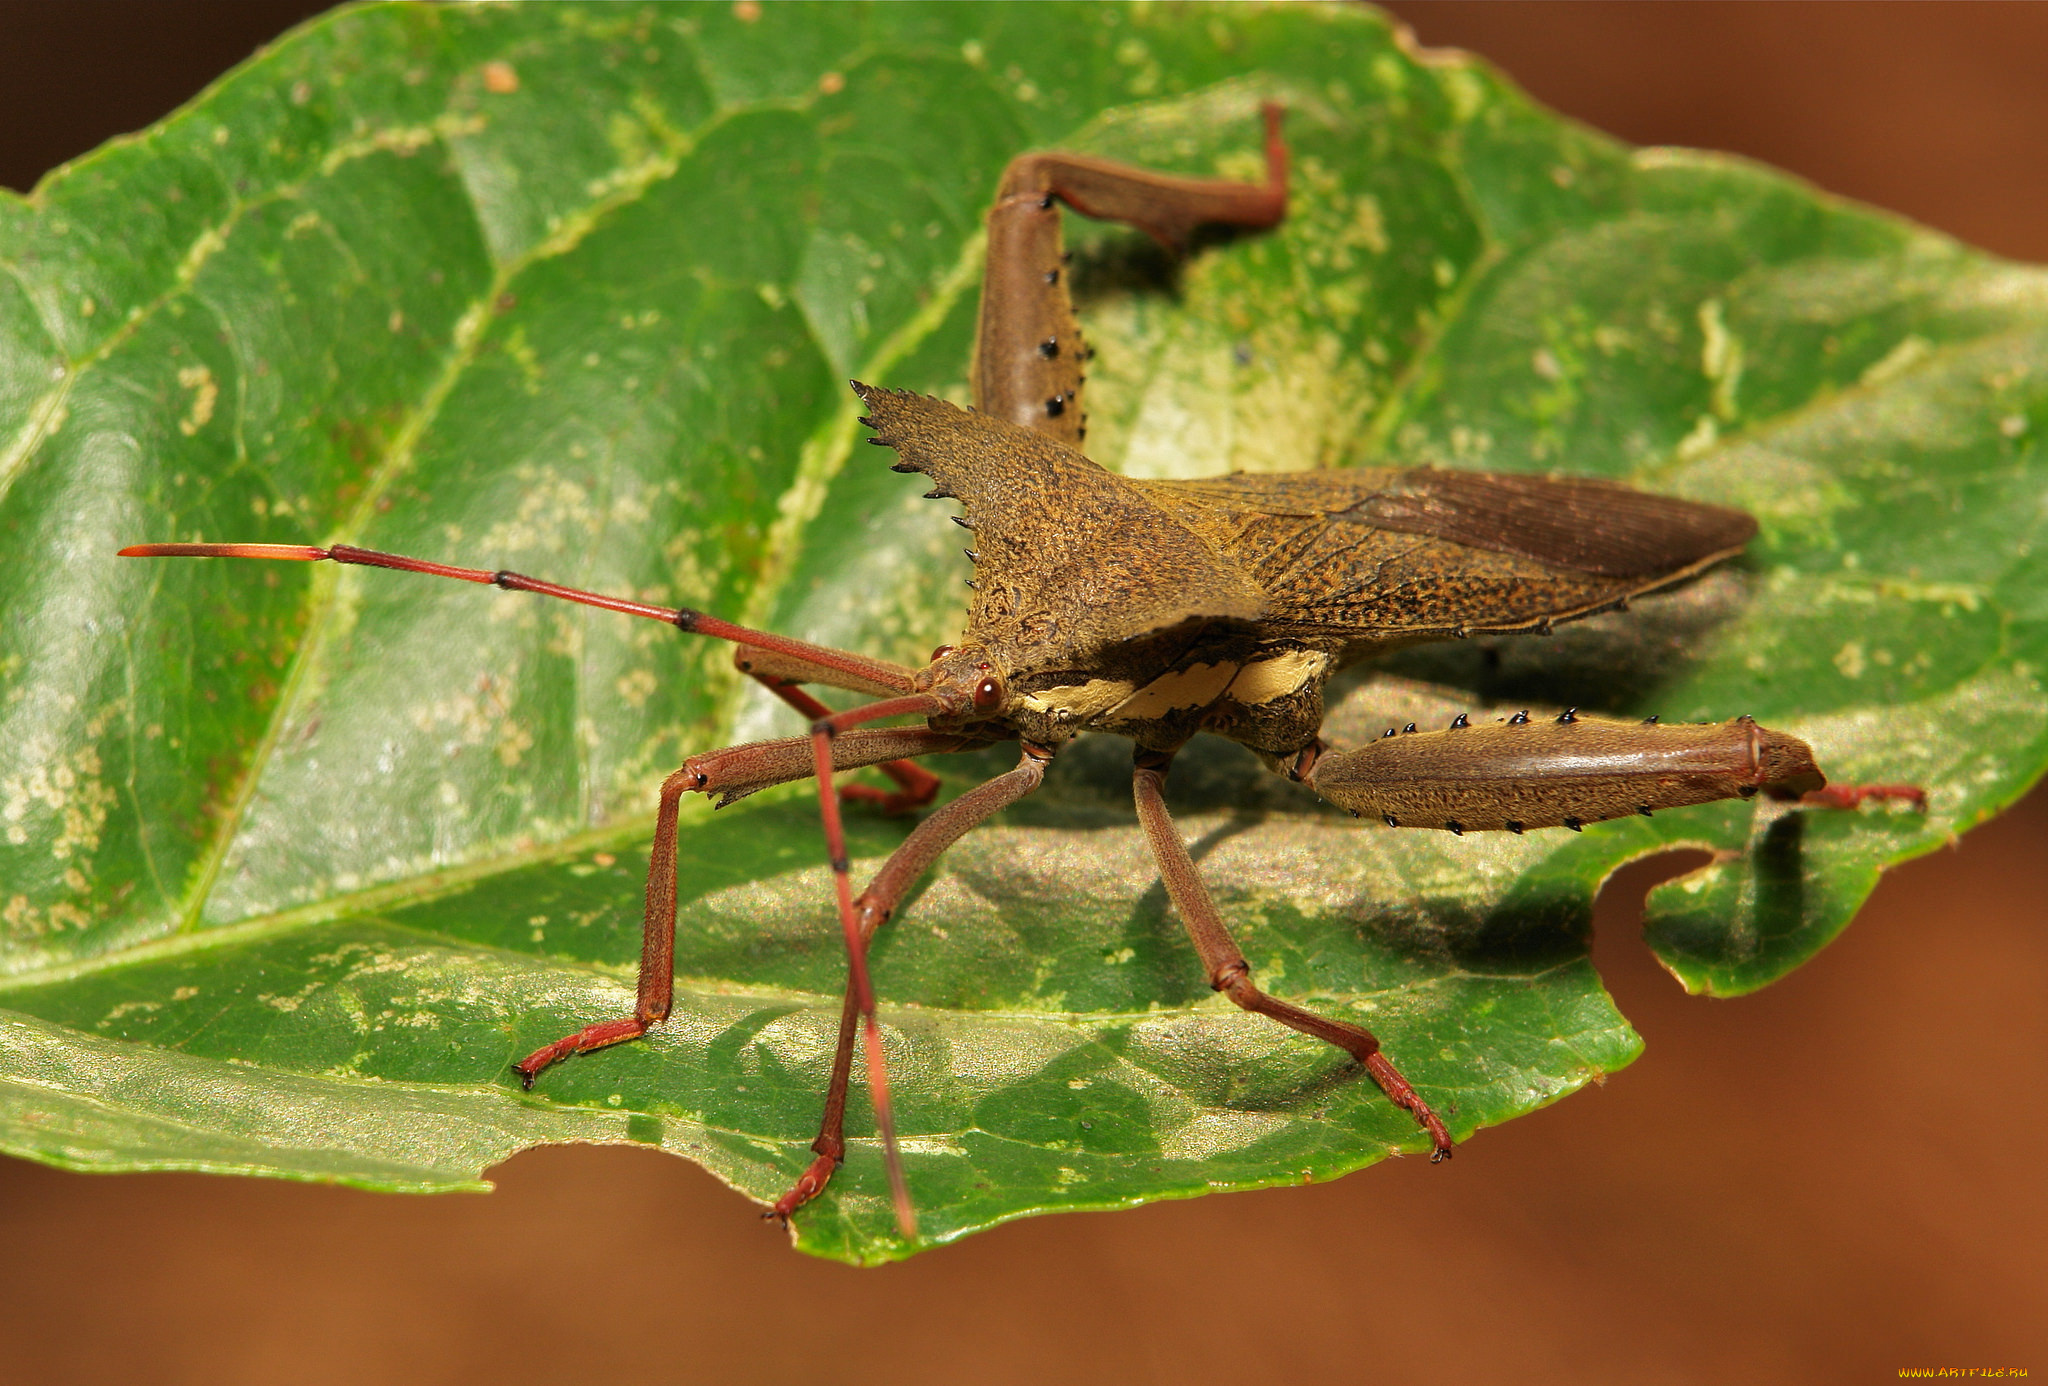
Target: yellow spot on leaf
636	687
1900	359
205	392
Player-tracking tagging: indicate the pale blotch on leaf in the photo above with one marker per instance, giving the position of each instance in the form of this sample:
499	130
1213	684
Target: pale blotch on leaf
205	392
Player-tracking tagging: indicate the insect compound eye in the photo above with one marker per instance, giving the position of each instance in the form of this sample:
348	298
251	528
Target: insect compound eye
988	694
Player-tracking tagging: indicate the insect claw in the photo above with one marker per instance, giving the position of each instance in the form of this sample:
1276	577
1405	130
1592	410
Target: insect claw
1651	720
1575	825
1387	733
1461	720
1392	821
1409	728
1644	810
1456	828
1514	826
1568	716
1519	718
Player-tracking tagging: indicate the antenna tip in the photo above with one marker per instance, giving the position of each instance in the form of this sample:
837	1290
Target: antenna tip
299	553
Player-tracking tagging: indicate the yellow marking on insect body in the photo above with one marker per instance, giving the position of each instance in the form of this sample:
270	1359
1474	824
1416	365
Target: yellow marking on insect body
1198	685
1282	676
1081	700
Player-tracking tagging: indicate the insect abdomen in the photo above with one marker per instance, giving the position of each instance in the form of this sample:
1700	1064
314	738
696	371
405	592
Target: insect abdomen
1560	773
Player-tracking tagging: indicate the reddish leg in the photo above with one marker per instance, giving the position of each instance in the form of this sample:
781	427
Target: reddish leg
657	948
658	928
823	732
1230	974
873	908
1848	796
1028	352
733	773
917	786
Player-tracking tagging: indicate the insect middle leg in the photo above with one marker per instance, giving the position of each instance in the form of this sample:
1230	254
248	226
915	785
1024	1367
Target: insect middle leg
1230	974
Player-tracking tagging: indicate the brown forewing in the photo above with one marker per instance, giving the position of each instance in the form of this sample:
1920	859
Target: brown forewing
1390	556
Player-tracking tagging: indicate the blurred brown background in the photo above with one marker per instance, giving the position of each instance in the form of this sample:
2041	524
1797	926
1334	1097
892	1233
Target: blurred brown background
1826	1182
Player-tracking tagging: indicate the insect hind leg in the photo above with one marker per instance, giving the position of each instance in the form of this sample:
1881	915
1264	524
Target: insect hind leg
1520	773
1028	354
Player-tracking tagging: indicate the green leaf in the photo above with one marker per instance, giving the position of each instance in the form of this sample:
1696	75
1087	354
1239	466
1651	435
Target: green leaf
294	861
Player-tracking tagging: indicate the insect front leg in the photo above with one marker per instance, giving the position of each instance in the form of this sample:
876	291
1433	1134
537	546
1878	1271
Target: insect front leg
1228	971
733	773
1521	772
873	907
730	774
1028	353
657	983
784	677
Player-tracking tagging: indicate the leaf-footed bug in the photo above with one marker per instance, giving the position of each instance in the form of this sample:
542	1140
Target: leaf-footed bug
1157	610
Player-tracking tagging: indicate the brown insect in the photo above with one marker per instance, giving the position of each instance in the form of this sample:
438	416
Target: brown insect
1156	610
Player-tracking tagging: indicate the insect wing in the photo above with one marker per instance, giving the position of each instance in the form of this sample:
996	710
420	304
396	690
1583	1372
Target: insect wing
1389	556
